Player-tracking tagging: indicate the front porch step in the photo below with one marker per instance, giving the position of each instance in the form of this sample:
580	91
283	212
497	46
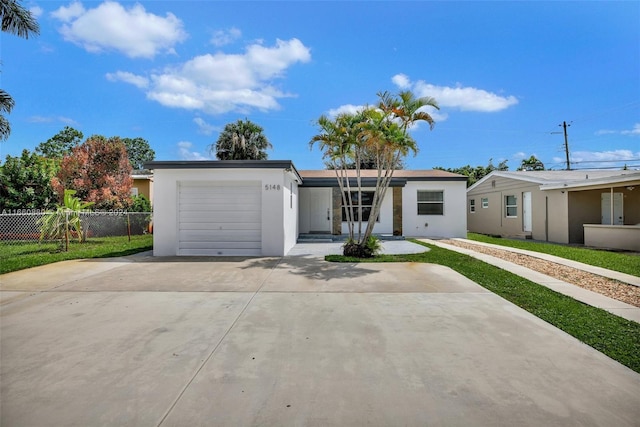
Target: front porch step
328	238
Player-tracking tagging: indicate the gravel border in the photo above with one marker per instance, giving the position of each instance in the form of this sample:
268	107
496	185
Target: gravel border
611	288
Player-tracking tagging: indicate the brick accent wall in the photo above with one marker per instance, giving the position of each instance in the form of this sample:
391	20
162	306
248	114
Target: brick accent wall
397	211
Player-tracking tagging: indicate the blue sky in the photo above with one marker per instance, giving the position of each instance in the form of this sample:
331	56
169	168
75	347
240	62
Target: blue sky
506	75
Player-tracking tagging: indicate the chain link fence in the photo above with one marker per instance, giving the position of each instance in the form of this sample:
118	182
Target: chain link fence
26	227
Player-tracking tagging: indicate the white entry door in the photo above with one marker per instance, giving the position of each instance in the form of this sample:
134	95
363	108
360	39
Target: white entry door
618	212
320	210
526	211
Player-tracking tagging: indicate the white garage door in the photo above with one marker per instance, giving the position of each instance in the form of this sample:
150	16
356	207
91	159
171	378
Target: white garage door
220	218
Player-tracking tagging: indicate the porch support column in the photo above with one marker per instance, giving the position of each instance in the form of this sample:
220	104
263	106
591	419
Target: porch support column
397	211
611	221
336	197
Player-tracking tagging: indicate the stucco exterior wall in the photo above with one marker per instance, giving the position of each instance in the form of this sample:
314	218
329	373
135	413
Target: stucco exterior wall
453	222
549	210
276	190
290	208
626	237
144	186
493	220
583	208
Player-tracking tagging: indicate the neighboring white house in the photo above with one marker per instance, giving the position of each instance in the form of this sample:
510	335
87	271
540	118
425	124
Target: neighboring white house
258	208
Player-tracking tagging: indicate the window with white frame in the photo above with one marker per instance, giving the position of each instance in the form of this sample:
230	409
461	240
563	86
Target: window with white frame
134	191
430	202
472	205
485	202
511	206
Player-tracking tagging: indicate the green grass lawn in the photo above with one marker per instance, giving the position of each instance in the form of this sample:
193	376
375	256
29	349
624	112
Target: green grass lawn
18	256
624	263
614	336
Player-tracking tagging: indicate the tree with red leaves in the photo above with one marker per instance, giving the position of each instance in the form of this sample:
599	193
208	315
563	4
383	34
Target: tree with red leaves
99	171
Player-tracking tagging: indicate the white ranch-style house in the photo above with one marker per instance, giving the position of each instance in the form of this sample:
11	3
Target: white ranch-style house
259	208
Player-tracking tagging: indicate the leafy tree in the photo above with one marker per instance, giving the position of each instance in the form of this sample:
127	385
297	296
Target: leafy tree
242	140
25	182
382	133
140	204
99	171
138	151
18	21
474	174
60	144
531	164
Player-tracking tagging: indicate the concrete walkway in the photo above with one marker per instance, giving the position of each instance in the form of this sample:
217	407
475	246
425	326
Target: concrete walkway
586	296
292	341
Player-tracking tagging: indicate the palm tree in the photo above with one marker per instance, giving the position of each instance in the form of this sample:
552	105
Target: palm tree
388	132
338	142
19	21
242	140
381	134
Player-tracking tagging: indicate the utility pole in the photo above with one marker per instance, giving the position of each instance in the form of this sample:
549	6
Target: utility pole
566	143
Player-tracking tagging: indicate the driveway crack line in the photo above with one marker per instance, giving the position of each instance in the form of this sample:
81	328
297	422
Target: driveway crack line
215	348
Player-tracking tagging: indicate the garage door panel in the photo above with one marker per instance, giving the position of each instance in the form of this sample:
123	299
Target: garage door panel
220	236
204	226
220	218
219	245
241	192
225	205
219	252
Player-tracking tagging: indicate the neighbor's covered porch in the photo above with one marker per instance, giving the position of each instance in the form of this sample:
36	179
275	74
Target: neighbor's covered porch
605	215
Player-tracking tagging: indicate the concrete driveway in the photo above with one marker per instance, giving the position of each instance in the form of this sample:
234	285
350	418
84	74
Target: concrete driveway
288	341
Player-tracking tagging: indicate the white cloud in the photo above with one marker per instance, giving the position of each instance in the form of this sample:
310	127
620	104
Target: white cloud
186	153
52	119
204	127
402	81
635	131
345	109
463	98
519	155
606	132
124	76
225	37
68	13
353	109
600	158
110	26
36	11
220	83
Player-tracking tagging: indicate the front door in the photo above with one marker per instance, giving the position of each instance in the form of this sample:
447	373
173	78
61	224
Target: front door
526	211
607	208
320	210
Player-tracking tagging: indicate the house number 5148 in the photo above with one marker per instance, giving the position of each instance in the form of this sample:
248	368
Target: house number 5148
275	187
